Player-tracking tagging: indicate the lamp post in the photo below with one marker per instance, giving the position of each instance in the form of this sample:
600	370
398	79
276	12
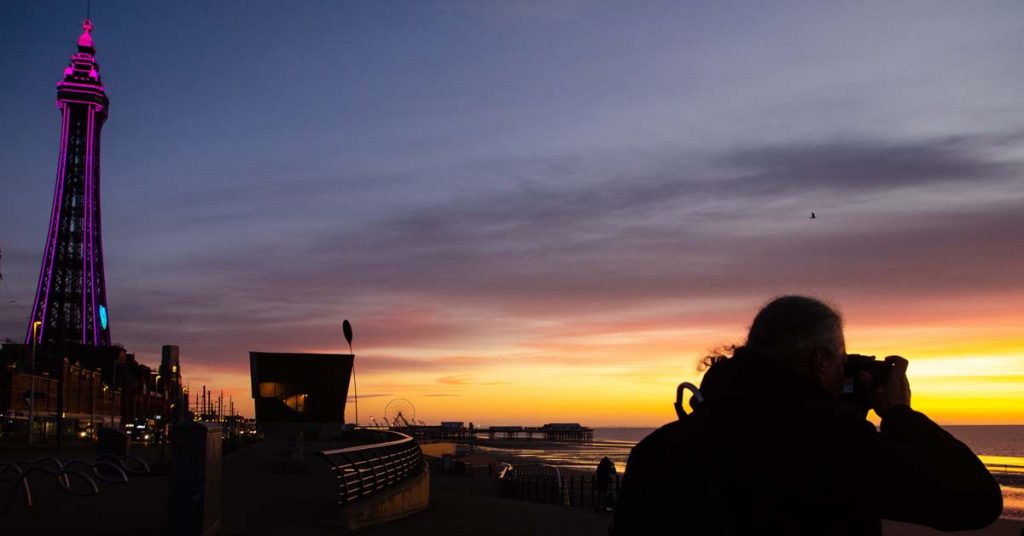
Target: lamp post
32	384
346	328
113	384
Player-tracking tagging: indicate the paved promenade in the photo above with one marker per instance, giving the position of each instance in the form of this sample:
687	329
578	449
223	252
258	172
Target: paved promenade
263	498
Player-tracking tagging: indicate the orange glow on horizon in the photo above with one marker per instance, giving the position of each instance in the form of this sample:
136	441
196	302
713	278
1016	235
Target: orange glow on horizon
966	368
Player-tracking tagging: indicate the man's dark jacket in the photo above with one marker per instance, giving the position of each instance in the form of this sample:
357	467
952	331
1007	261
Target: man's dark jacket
772	453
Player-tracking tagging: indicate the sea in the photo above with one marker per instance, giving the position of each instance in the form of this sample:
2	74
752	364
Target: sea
1001	448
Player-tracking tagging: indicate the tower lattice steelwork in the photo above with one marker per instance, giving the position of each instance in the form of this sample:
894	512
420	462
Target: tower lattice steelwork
71	301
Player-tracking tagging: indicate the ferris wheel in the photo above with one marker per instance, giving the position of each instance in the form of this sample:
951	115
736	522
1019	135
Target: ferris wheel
400	412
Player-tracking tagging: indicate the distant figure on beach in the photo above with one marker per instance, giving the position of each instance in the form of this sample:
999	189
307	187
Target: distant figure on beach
775	448
602	484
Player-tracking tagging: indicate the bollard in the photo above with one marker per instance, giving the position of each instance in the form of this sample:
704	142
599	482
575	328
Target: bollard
296	456
111	441
195	479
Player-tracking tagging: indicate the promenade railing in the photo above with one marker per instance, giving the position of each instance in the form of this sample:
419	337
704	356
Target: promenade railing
1005	469
1007	474
542	483
366	470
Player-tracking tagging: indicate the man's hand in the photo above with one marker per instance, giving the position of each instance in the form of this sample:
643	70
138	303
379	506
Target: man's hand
896	389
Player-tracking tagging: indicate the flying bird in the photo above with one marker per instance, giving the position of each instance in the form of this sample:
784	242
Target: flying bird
813	216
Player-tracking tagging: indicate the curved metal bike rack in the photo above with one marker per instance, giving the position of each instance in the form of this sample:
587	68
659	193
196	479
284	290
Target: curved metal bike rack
119	475
107	468
137	466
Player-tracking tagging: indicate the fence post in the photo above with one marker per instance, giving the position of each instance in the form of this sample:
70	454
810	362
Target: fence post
583	490
593	493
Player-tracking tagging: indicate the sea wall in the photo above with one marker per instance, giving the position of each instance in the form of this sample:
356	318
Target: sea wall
406	498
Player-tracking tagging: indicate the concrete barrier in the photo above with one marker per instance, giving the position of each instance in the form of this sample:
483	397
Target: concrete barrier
409	497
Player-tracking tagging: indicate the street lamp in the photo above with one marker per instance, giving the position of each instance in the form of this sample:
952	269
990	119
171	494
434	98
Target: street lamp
346	328
32	388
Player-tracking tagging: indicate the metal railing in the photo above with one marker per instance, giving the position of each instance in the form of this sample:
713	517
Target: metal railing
1005	469
1007	474
545	483
368	469
535	482
583	491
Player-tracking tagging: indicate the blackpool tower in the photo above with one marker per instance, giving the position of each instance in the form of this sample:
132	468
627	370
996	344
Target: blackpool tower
71	302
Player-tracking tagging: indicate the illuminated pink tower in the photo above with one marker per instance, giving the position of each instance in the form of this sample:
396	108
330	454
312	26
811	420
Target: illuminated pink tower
71	300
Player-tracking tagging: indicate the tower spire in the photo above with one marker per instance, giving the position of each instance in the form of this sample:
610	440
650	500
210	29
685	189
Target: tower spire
85	43
71	302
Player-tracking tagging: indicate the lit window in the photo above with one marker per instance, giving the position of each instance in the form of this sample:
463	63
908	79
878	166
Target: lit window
296	403
268	389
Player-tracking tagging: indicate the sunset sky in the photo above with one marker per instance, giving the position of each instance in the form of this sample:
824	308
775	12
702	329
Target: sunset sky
539	211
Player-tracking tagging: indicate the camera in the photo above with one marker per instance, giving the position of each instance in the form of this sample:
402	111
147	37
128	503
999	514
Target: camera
857	387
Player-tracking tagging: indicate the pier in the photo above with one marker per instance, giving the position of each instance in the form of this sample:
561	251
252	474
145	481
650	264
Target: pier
456	431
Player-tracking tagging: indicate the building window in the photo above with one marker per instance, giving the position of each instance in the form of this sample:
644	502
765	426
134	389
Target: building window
271	389
285	393
296	403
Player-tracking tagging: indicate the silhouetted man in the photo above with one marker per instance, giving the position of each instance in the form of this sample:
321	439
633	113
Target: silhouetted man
771	450
602	483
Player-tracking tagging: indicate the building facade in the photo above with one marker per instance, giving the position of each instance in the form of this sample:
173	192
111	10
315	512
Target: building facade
83	388
300	394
